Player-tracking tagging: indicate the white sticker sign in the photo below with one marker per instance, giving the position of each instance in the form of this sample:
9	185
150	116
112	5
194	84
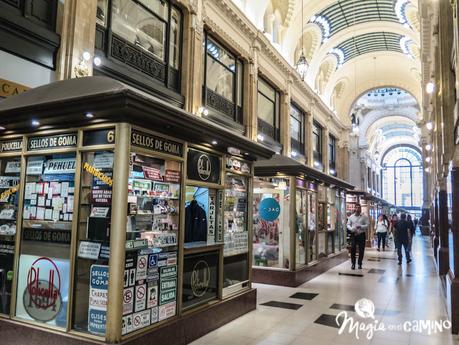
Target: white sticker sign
60	166
34	166
142	265
140	297
167	310
13	167
103	160
154	315
128	300
152	295
89	250
127	325
141	319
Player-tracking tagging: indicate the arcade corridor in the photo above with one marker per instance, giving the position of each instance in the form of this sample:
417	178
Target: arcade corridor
306	315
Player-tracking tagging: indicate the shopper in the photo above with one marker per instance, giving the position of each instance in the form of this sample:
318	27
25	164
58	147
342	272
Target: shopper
403	238
357	224
382	227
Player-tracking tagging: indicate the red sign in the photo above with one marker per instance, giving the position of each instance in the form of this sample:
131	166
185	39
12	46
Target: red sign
42	297
172	176
152	173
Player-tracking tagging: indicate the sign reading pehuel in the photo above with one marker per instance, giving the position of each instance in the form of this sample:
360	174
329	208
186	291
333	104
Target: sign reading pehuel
52	141
202	166
156	143
11	145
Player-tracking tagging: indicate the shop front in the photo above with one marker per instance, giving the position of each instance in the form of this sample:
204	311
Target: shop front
130	225
298	222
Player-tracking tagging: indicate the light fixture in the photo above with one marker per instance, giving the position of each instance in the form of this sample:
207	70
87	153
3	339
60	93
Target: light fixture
430	87
302	65
89	115
332	171
427	170
429	125
86	56
316	163
203	111
2	128
35	123
428	159
97	61
428	147
294	154
260	137
214	142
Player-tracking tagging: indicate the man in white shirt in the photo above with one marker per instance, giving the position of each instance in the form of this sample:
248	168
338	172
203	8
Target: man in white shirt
358	224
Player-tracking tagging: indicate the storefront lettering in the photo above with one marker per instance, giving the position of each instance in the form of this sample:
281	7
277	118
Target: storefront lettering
8	88
204	167
200	278
11	145
42	298
64	140
98	174
151	142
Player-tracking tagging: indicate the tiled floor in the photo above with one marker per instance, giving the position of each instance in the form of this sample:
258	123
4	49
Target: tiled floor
400	294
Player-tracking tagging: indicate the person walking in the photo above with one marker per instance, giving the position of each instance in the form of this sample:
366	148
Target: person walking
393	223
412	229
358	224
382	227
402	238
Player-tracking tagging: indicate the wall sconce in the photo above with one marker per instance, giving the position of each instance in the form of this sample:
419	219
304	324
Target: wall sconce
82	69
203	111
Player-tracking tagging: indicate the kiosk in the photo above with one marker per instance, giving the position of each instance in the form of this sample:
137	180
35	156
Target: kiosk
123	218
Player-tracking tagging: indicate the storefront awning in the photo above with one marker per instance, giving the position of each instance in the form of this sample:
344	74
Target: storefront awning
279	164
64	104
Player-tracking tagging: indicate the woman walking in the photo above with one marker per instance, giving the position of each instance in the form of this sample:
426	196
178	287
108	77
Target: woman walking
382	227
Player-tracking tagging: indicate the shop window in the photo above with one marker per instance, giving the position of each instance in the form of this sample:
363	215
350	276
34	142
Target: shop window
317	145
91	267
271	226
332	154
235	230
23	19
150	278
296	130
10	169
268	111
301	227
144	36
223	81
44	262
312	225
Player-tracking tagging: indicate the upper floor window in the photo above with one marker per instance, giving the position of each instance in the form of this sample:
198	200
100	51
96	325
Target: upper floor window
317	144
332	155
144	35
268	111
296	130
223	81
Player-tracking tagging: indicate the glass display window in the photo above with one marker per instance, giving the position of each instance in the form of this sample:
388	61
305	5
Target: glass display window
10	169
322	231
44	262
271	226
312	225
93	235
235	230
301	227
150	275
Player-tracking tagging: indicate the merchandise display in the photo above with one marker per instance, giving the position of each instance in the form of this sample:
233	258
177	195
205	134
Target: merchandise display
150	279
10	169
235	215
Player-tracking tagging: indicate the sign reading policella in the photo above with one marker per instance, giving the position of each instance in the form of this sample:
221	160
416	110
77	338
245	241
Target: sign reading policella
52	141
200	278
202	166
11	145
155	143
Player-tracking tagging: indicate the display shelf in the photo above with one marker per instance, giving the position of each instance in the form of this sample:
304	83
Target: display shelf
47	224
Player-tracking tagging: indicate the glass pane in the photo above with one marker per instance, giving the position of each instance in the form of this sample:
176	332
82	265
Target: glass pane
271	228
10	169
151	241
267	90
295	129
266	109
219	79
101	14
174	48
44	263
139	27
300	230
312	225
91	267
240	84
159	7
221	54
